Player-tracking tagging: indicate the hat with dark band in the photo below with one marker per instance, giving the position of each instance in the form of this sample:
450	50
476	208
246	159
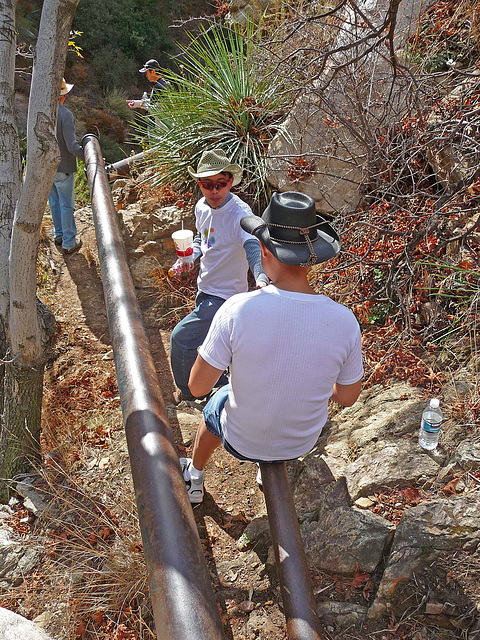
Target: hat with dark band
149	64
215	161
292	230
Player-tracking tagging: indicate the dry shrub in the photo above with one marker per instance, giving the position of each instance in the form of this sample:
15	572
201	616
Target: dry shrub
177	295
92	568
106	123
448	35
78	73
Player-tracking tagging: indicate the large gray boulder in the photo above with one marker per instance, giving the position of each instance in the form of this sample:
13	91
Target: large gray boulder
331	128
15	627
424	533
338	537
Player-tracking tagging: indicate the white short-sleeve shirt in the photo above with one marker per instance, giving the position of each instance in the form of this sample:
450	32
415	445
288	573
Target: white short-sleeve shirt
285	351
223	264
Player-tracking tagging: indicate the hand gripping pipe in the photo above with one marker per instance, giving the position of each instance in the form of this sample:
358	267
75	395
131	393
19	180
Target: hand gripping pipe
295	584
183	600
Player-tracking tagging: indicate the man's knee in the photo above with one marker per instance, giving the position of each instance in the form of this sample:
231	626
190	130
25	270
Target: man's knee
179	334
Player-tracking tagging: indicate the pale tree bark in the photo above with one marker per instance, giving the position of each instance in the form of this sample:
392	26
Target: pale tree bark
10	164
29	323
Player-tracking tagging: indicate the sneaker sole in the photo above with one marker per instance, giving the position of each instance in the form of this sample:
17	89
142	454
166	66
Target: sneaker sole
74	249
194	499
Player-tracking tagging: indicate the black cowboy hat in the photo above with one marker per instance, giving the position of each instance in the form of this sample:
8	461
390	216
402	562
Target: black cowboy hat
292	230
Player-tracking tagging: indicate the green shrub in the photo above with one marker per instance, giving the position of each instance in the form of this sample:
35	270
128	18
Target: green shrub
115	101
106	73
119	35
224	95
82	192
112	151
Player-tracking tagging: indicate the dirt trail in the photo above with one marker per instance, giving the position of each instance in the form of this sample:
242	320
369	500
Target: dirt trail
248	596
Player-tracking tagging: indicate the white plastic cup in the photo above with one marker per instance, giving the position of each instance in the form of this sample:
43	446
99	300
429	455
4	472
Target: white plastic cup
183	240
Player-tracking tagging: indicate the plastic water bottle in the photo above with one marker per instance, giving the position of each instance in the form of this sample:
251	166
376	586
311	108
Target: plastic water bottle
430	427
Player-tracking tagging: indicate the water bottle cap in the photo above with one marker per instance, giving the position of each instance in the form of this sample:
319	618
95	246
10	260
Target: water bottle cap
434	403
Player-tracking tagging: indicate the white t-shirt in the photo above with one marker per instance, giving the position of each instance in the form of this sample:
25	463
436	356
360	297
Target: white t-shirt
285	351
223	264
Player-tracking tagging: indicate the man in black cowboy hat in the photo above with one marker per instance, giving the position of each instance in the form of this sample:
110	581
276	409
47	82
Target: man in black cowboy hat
289	349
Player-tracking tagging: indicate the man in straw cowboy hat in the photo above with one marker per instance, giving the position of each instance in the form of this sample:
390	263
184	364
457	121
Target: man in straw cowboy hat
61	198
289	349
225	250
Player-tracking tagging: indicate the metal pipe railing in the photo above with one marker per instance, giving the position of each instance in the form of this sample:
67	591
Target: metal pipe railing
295	583
122	167
182	595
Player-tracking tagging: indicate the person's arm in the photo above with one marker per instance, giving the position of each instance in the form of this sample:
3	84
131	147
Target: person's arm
202	377
68	132
197	246
346	394
252	250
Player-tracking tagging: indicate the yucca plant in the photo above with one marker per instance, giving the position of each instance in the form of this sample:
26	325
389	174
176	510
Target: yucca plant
225	95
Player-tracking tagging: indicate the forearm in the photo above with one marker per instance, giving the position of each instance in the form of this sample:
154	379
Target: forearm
202	377
253	253
197	246
346	394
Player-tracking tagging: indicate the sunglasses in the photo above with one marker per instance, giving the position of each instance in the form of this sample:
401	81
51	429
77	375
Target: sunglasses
210	186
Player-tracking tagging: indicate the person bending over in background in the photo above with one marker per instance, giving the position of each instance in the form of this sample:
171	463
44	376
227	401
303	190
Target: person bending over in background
151	69
289	350
225	250
62	194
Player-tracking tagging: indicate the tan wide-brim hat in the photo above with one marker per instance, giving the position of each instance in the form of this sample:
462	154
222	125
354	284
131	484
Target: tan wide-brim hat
215	161
65	88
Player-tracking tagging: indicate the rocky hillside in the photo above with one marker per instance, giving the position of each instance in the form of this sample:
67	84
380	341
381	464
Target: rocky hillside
390	531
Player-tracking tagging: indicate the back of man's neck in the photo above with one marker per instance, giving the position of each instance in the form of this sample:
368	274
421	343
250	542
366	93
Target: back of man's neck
294	285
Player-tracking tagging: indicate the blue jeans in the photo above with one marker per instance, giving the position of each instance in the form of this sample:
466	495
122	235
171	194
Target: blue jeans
211	414
61	201
188	335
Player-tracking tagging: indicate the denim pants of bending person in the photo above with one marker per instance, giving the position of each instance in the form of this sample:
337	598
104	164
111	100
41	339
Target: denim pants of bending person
188	335
62	204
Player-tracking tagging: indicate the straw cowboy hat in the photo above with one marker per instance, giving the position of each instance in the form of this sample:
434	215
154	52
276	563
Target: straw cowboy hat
213	162
65	88
292	230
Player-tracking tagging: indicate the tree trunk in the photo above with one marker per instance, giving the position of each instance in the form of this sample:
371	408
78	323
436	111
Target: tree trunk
3	351
10	170
42	161
20	439
10	164
27	329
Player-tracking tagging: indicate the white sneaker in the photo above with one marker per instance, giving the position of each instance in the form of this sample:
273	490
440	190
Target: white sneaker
259	477
194	485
